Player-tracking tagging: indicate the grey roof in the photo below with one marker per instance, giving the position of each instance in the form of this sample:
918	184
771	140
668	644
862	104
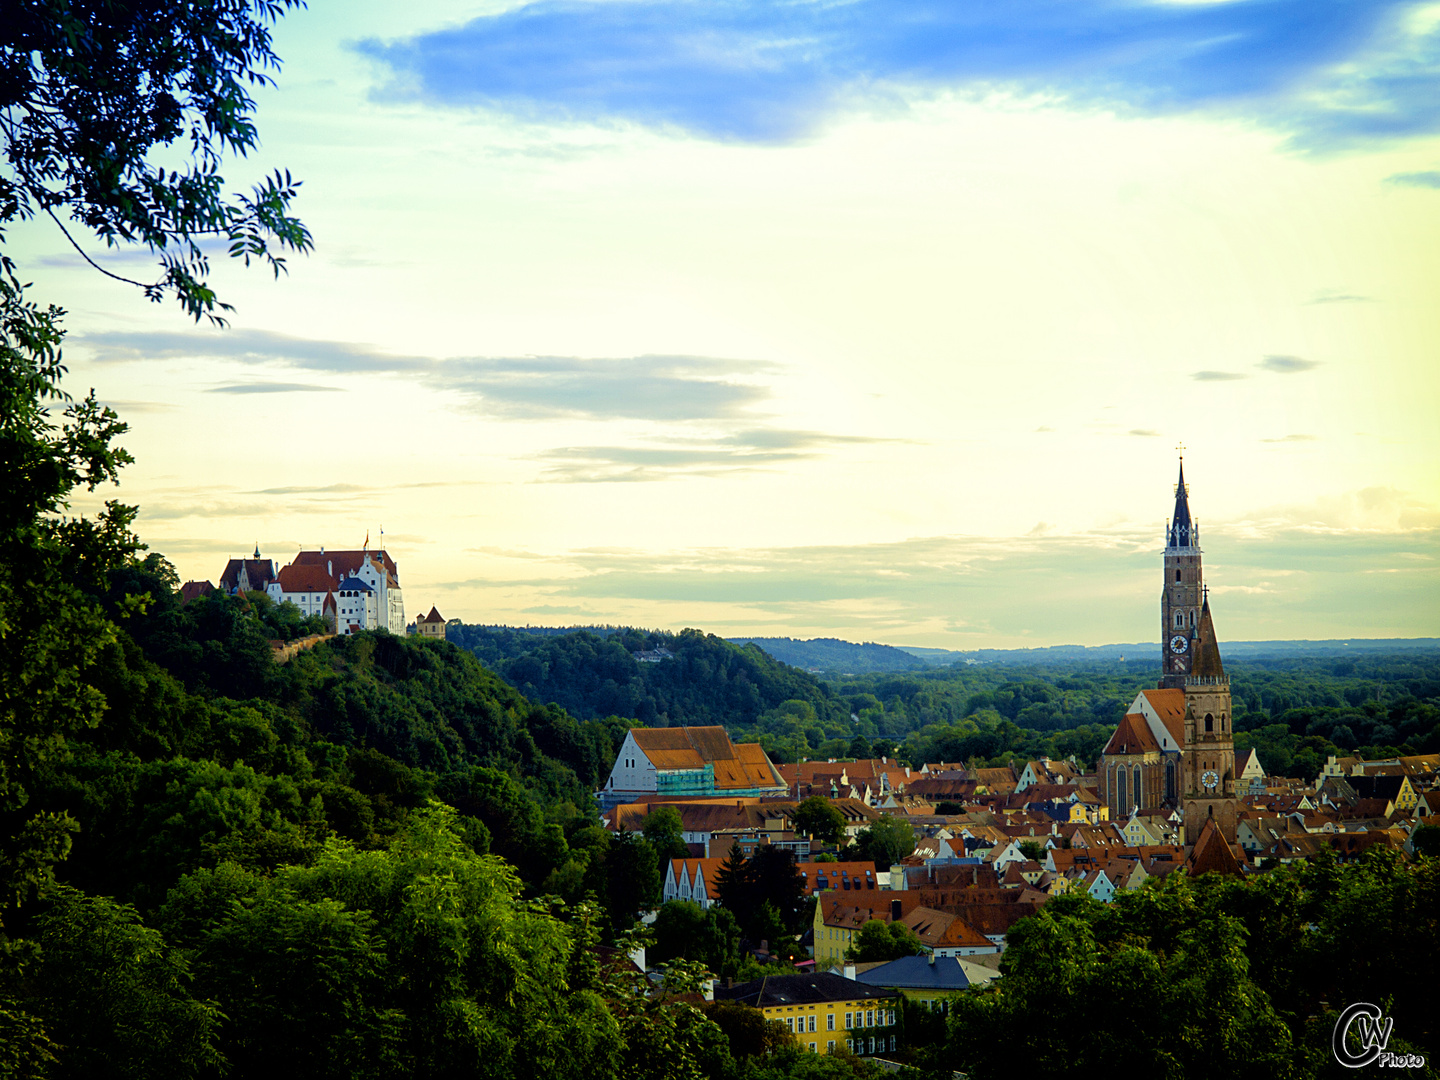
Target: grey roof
356	584
821	986
918	973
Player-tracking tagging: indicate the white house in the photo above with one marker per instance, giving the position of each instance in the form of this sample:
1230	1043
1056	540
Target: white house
693	880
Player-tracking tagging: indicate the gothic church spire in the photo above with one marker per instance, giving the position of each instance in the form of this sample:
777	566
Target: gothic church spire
1181	528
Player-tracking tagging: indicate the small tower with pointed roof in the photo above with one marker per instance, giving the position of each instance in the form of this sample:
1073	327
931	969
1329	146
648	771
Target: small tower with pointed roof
432	625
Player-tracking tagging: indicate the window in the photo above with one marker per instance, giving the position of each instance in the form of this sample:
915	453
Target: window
891	1020
869	1017
1209	722
812	1028
812	1048
872	1044
1179	620
830	1046
830	1024
1177	575
850	1045
892	1042
847	1022
790	1022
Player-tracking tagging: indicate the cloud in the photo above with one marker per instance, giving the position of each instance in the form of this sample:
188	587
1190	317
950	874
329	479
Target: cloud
971	592
1287	365
1327	72
664	388
1290	438
1338	298
1042	429
1415	179
1144	433
1217	376
747	451
328	489
124	406
270	388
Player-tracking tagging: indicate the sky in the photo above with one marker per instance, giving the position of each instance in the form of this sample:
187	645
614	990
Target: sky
820	318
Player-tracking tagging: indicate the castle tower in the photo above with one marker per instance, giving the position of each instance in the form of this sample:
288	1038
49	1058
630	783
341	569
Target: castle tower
1190	655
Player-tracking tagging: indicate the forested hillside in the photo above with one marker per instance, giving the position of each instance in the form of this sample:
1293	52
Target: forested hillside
831	655
706	679
1296	710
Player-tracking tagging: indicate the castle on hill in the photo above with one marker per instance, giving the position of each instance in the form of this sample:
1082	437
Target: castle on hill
1174	748
353	590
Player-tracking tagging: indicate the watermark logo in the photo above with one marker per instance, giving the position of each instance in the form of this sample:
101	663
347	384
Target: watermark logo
1371	1033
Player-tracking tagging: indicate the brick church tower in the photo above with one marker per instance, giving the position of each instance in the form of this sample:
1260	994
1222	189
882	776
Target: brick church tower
1190	661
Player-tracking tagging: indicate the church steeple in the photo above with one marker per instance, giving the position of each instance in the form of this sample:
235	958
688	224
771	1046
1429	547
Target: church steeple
1181	528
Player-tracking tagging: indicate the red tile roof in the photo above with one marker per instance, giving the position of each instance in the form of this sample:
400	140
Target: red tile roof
301	578
1132	736
1169	705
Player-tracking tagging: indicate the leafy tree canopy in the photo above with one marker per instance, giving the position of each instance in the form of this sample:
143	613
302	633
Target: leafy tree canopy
90	88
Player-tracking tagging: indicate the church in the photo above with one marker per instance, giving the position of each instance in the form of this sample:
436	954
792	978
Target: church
1174	748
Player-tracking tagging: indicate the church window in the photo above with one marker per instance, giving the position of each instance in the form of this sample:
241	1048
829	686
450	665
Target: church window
1139	797
1179	620
1192	618
1170	780
1209	722
1120	791
1177	575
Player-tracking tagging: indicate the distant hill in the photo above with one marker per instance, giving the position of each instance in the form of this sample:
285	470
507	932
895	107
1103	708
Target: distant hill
834	655
1146	651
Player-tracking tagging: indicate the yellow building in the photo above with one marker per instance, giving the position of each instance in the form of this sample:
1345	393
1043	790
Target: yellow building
839	915
826	1012
432	625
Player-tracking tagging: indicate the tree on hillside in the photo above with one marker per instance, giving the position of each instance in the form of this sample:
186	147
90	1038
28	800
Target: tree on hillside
87	90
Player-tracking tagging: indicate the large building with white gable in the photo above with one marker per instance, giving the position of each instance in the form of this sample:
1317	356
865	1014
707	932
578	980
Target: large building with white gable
688	761
354	590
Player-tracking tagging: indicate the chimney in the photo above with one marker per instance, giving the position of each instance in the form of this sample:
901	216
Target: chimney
932	957
850	972
709	990
895	907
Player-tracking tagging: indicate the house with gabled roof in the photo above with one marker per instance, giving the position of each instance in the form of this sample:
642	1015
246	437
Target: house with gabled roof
678	761
839	917
929	979
432	625
248	575
693	880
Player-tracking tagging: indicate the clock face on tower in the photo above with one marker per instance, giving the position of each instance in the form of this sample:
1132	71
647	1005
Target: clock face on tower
1178	644
1211	779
